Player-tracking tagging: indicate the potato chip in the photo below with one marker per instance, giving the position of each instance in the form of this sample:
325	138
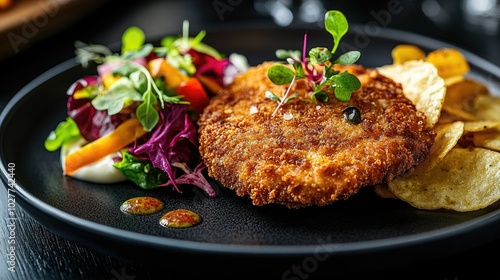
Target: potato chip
449	62
403	53
480	125
447	117
480	134
462	171
465	180
449	81
458	114
447	137
382	190
421	84
489	139
487	107
461	97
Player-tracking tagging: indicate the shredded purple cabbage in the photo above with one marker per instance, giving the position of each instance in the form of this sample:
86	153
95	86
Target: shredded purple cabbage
172	147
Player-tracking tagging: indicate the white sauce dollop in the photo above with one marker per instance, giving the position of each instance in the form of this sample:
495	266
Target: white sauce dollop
101	171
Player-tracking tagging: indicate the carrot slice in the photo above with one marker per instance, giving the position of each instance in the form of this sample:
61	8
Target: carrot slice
212	85
125	134
160	67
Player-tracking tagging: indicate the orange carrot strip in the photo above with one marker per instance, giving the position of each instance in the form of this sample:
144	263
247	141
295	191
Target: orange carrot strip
160	67
112	142
212	85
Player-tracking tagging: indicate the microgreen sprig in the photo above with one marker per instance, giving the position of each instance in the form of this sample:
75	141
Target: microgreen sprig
317	67
135	82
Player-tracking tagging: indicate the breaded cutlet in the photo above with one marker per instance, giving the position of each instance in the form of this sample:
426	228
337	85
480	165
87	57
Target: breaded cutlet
308	153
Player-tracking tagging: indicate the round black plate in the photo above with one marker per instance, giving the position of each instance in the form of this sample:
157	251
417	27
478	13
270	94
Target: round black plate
365	230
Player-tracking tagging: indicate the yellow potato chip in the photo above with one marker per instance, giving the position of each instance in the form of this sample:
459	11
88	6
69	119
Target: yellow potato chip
449	81
487	107
476	126
447	137
449	62
480	134
447	117
458	114
421	84
465	180
461	97
489	139
403	53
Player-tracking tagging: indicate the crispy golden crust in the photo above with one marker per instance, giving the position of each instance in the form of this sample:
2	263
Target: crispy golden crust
307	154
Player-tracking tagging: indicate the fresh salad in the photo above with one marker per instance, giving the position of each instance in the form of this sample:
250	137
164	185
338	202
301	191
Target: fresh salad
136	118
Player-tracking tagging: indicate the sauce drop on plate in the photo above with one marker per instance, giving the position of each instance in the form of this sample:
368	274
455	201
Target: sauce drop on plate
180	218
142	205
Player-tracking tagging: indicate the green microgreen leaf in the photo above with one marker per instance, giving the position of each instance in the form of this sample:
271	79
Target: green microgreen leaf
348	58
142	52
272	96
146	112
337	25
297	66
284	54
135	84
320	55
280	75
65	132
168	42
184	42
320	96
91	53
114	99
317	68
139	80
291	97
329	71
126	69
141	172
345	84
133	39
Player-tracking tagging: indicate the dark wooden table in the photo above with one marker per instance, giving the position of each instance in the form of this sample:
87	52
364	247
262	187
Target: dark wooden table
40	254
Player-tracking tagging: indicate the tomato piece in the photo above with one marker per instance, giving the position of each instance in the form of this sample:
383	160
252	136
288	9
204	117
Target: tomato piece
193	91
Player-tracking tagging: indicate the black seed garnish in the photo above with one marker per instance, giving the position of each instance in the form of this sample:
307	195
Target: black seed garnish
352	114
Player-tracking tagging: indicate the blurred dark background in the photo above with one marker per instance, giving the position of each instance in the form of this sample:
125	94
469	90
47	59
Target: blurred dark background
473	25
43	41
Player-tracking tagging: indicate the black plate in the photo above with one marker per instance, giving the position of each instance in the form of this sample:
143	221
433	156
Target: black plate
365	230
